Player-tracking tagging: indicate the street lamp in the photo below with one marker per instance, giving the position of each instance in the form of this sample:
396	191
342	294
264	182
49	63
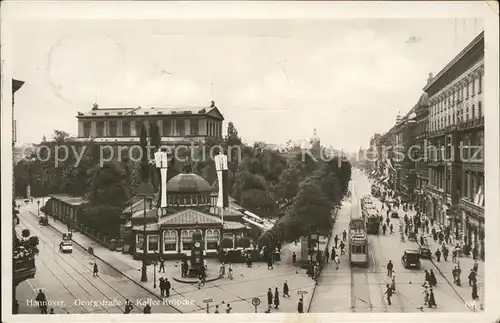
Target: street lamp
145	190
154	271
38	202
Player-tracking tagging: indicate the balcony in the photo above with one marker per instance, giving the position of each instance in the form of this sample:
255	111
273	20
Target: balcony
435	192
475	123
469	206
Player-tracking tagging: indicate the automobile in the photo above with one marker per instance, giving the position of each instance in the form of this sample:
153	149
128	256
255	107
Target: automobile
66	247
395	214
425	251
44	220
411	259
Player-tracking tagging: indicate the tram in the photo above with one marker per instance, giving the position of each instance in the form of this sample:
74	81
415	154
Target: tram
358	242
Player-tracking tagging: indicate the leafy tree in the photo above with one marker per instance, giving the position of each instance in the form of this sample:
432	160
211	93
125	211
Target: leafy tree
143	141
232	145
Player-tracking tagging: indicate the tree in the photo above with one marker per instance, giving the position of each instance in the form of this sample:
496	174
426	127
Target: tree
143	140
232	145
288	184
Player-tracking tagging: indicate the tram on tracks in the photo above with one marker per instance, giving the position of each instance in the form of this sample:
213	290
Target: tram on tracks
358	242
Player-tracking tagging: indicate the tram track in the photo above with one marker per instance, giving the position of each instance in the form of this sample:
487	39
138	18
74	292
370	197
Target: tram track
85	266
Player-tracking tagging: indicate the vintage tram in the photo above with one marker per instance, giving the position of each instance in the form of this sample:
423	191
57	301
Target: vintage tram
358	242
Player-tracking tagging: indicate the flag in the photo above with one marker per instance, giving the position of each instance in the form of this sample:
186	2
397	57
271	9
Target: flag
222	178
161	161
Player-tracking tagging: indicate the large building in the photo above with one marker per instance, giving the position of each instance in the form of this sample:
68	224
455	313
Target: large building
177	125
446	176
456	128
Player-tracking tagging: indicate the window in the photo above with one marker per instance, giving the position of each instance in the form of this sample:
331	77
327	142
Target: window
187	239
480	84
126	129
212	239
139	243
113	127
180	128
100	128
153	244
193	127
170	241
167	127
473	111
466	91
479	109
86	129
194	200
473	85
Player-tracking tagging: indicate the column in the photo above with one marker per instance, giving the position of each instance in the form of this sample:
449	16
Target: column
119	128
80	128
93	132
133	132
174	127
187	127
202	127
160	127
106	128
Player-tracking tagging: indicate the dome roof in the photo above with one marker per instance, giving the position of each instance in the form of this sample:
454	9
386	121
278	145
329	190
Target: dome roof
188	183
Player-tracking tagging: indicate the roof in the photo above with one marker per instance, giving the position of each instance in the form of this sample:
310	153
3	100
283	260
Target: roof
139	213
149	227
464	52
135	203
150	111
231	225
188	183
16	85
68	199
190	217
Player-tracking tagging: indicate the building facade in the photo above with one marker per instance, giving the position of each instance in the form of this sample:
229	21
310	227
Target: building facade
421	168
177	125
456	138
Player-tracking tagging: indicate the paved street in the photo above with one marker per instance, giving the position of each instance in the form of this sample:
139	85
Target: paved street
367	285
124	280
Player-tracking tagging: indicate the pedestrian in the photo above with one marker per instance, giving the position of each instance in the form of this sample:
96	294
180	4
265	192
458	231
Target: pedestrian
42	301
458	272
285	289
421	240
387	220
342	246
438	255
426	296
162	286
162	265
391	227
337	262
333	254
393	283
344	235
270	261
147	309
475	267
474	291
472	277
230	271
96	270
445	254
390	267
294	258
216	309
228	308
432	299
432	278
300	305
269	300
474	253
276	298
327	255
336	240
51	311
128	306
427	278
168	285
388	293
222	270
384	228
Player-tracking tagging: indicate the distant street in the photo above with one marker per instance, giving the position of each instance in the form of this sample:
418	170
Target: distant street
366	286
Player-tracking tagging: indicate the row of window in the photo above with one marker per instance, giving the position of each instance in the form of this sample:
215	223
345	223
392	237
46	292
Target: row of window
169	128
459	95
358	249
188	200
457	116
470	183
171	241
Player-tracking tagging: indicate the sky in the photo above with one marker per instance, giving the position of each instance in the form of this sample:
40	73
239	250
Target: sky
276	80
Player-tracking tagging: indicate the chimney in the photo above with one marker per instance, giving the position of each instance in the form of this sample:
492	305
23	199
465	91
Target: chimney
429	78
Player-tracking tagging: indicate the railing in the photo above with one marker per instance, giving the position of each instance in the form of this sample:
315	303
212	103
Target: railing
477	122
469	206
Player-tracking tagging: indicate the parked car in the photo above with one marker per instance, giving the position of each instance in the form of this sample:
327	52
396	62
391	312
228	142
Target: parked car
44	220
411	259
66	247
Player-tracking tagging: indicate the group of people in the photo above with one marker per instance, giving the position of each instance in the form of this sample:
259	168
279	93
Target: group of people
273	299
226	271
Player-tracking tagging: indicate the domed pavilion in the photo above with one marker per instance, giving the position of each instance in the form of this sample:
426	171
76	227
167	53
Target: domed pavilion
191	207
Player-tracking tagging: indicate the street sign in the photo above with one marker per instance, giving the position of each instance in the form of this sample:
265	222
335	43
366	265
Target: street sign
301	292
208	301
255	301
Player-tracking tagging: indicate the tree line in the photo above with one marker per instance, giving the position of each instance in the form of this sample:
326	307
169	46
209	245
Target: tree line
264	181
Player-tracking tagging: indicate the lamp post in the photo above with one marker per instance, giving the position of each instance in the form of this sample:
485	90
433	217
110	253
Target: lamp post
38	202
145	190
154	271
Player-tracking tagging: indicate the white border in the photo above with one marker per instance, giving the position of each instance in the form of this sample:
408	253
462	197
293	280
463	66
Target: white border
27	11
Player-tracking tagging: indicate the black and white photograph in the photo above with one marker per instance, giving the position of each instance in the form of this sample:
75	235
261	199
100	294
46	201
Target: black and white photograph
233	161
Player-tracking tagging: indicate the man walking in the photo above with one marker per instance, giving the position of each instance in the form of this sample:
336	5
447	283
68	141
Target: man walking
336	239
96	270
390	267
300	305
388	293
42	302
162	265
342	246
269	300
285	289
344	235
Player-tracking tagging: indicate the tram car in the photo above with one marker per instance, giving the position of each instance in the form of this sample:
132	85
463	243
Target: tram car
358	242
372	219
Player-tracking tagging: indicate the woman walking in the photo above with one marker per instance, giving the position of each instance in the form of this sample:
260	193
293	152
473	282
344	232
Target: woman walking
276	298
